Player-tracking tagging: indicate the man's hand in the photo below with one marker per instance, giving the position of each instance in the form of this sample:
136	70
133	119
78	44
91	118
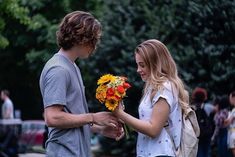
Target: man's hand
115	133
105	119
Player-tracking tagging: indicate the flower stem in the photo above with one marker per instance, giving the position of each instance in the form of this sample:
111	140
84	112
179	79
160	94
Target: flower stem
126	131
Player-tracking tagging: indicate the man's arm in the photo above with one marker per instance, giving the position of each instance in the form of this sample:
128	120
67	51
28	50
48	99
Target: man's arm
55	116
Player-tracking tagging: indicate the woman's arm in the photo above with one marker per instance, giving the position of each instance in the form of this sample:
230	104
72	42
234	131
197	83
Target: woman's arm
152	127
228	121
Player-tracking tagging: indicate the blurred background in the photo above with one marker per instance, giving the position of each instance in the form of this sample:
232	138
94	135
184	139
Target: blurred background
199	34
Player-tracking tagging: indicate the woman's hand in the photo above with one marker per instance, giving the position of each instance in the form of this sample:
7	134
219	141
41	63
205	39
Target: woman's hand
120	108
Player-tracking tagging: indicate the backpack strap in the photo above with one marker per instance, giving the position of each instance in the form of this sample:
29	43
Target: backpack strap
168	132
190	114
176	150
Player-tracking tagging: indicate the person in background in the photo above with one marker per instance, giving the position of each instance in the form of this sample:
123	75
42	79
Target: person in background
220	133
160	110
7	106
199	97
8	136
65	106
230	122
232	98
209	109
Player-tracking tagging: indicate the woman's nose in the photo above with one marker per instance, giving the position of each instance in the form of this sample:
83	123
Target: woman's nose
138	70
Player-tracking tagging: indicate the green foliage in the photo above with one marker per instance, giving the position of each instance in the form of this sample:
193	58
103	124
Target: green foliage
27	46
3	42
204	49
10	9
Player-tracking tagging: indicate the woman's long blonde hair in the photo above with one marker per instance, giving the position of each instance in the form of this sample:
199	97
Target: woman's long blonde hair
162	68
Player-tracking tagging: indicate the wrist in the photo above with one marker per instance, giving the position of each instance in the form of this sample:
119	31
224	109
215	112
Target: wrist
119	113
92	119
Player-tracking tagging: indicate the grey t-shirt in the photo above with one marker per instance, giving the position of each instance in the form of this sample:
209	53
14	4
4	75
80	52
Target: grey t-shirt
61	83
7	106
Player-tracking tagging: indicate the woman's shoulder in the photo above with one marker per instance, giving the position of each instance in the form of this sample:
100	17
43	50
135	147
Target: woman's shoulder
167	85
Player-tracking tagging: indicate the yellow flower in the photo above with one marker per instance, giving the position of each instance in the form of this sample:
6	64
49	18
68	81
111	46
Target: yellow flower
105	79
101	93
111	103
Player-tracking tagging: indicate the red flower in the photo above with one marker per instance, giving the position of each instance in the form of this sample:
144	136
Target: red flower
120	89
126	85
110	92
118	97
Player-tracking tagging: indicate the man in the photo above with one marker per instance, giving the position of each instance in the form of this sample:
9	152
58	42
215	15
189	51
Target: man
7	106
65	107
8	137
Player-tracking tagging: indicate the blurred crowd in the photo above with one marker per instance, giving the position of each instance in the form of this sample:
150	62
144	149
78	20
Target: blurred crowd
216	122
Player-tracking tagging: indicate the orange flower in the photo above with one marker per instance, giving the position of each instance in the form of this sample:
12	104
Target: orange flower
101	93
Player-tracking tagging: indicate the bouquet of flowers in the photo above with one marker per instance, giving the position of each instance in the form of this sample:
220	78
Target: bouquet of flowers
111	90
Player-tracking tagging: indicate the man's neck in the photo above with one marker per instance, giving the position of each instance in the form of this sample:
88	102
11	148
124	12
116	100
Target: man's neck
69	54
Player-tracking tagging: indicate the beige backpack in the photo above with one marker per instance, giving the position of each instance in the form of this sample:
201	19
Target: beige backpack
189	135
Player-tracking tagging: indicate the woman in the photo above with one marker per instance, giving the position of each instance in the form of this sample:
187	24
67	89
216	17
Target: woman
221	133
230	122
159	124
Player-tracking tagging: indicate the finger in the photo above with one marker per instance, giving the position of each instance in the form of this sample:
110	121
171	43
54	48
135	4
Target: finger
114	121
120	136
123	107
120	121
113	125
120	133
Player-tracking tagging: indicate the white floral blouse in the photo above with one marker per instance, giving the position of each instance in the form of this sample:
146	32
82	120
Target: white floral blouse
162	144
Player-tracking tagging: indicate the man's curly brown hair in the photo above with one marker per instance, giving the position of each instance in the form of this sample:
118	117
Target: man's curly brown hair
78	28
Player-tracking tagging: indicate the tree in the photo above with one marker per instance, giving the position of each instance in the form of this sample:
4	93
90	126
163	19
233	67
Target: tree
204	42
11	10
29	29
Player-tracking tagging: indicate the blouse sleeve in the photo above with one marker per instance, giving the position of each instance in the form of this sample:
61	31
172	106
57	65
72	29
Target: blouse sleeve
166	94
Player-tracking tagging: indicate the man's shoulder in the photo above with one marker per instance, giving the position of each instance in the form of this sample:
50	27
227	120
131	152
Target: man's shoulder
53	61
8	102
56	62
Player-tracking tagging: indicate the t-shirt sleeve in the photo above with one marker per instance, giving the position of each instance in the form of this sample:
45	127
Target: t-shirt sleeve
166	94
55	87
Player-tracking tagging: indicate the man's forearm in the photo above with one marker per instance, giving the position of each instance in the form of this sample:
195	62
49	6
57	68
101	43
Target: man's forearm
61	119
